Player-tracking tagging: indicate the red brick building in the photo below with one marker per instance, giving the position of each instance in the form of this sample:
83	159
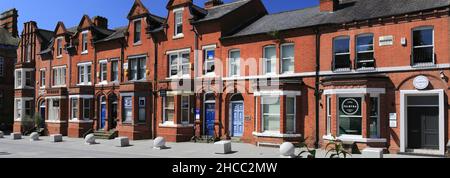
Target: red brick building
8	46
371	72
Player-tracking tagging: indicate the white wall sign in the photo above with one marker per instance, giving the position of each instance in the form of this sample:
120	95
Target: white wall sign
386	40
421	82
125	66
393	120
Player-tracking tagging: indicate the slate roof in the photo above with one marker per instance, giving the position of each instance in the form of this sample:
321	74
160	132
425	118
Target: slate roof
350	11
7	39
219	11
118	33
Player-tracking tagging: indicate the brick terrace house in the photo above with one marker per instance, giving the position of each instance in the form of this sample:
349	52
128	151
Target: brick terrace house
371	72
8	46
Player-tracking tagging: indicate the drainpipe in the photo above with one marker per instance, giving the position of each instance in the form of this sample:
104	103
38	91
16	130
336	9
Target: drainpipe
317	85
155	85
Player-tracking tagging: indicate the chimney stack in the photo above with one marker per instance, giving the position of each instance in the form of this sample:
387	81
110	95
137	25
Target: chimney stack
101	22
328	5
8	21
212	3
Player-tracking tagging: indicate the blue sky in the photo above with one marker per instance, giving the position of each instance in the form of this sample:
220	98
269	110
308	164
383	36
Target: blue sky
48	12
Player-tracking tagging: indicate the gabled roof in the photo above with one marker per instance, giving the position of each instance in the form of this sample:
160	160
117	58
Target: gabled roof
137	3
7	39
219	11
355	10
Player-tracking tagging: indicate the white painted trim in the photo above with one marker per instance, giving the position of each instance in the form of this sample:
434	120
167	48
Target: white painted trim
178	9
275	135
355	91
175	93
358	139
55	121
403	116
81	121
55	97
103	61
172	125
212	46
82	96
277	93
178	51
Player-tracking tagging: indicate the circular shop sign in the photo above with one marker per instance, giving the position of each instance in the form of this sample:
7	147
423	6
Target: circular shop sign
421	82
350	106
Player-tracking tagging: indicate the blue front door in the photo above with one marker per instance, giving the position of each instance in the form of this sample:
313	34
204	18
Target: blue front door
103	116
237	114
210	114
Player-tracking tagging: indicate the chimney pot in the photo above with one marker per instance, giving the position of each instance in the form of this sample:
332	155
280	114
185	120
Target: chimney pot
100	21
212	3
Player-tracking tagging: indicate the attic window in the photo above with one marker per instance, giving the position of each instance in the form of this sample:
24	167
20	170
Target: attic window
84	40
178	22
59	47
137	31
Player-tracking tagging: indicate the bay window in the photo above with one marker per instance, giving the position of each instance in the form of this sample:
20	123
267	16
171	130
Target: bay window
18	78
86	109
168	109
84	74
234	63
179	64
350	115
328	114
374	119
59	76
269	60
23	78
127	109
184	109
18	109
423	46
365	52
28	78
74	113
54	109
270	107
137	68
287	58
290	114
341	54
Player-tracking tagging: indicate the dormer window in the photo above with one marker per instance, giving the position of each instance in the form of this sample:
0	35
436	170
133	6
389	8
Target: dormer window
59	47
137	32
84	42
178	22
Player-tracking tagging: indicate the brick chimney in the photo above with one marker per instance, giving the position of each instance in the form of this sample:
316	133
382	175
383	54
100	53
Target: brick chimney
175	3
8	21
211	3
328	5
100	21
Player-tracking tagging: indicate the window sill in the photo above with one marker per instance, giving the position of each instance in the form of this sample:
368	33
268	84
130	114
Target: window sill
80	121
59	86
102	83
172	125
362	69
423	65
341	70
276	135
84	84
84	52
55	121
356	138
178	36
59	57
137	43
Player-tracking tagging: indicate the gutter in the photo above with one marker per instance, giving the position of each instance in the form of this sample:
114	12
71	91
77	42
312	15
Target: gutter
316	87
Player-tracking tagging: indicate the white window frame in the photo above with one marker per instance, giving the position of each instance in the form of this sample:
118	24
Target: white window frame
84	42
234	62
135	32
20	81
176	12
59	48
124	119
361	96
85	77
103	72
179	65
339	54
207	60
141	68
42	76
183	121
287	58
20	108
424	46
273	61
294	115
2	66
165	119
328	114
57	76
377	116
269	114
115	74
74	106
367	51
86	107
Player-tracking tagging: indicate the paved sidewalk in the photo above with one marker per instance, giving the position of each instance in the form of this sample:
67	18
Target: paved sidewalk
76	148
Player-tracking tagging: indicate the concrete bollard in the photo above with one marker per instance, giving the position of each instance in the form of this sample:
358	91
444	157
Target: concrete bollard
1	134
222	147
287	150
90	139
34	136
16	136
56	138
372	153
159	143
122	141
